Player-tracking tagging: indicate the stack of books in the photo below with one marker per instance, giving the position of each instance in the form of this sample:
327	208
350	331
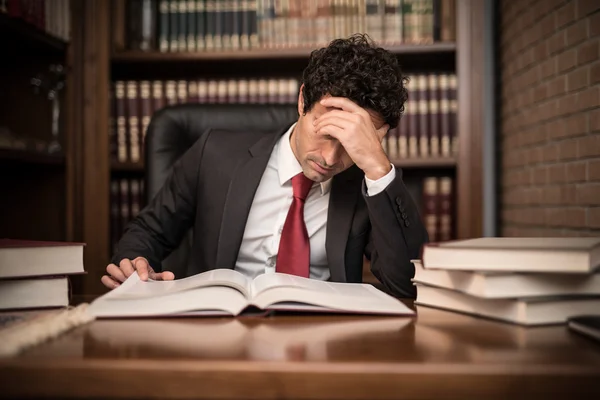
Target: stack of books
526	281
35	274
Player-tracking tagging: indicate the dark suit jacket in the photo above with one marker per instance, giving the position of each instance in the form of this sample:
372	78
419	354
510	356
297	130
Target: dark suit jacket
211	188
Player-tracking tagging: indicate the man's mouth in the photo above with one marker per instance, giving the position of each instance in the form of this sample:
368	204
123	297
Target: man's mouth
320	169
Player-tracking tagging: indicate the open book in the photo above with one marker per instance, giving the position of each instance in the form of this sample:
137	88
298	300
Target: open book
228	292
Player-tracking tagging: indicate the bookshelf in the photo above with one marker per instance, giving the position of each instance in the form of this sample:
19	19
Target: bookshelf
104	57
34	171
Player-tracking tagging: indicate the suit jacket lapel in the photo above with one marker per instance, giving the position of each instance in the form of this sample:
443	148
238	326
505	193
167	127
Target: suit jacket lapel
342	202
242	188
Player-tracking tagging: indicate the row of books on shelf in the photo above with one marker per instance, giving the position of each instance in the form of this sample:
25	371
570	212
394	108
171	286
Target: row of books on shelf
526	280
205	25
50	16
428	127
134	102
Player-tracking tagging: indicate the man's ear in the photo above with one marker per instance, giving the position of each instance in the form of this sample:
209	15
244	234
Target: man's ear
381	132
301	100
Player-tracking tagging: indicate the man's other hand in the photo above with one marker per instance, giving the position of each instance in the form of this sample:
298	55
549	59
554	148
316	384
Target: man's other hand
117	275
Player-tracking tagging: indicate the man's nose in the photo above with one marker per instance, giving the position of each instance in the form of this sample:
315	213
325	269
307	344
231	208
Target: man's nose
331	153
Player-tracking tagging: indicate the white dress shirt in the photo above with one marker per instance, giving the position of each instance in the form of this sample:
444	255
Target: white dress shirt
260	243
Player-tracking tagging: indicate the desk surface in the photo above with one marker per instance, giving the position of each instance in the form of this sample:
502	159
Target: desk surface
434	354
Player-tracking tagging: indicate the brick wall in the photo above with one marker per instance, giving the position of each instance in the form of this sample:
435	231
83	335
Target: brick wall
550	118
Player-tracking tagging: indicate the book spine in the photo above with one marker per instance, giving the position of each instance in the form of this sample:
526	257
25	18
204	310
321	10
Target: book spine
146	110
201	25
453	114
182	92
134	120
445	209
121	121
434	115
173	25
163	26
192	11
192	88
445	115
430	207
158	98
202	91
424	129
182	28
171	92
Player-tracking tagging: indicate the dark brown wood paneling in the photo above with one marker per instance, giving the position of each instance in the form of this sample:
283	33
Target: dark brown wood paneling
470	14
95	148
118	24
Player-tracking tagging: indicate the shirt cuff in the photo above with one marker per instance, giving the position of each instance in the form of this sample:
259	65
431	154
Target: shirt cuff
378	186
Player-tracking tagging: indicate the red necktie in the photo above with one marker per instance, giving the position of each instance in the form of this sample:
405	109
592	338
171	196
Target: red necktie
294	248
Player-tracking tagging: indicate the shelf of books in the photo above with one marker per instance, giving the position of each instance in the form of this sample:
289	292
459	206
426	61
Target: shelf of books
34	151
173	52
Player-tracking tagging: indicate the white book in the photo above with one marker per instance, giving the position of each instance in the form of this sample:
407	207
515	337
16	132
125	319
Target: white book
34	293
228	292
26	258
520	254
495	285
526	311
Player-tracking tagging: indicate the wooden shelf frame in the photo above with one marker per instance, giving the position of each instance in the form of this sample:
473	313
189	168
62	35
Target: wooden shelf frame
116	166
25	31
262	54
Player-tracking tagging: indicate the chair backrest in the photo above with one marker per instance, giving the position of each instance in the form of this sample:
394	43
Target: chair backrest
174	129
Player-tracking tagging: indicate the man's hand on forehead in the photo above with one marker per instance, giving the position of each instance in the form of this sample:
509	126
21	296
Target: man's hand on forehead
355	128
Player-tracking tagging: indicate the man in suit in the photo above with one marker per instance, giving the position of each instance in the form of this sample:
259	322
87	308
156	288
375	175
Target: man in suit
309	200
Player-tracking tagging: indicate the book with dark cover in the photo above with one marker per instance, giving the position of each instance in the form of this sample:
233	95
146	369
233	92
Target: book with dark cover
163	25
191	22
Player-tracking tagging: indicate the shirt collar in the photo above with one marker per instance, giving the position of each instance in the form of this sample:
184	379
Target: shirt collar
287	164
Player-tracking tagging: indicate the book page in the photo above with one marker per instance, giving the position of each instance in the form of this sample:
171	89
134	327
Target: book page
276	280
268	290
219	277
223	299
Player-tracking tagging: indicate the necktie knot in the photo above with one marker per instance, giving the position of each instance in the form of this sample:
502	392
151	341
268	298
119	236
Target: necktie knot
301	186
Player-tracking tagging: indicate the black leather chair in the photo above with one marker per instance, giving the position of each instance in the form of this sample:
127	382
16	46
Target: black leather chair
175	128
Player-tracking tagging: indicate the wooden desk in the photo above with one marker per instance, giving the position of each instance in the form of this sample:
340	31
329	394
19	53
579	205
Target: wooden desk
437	354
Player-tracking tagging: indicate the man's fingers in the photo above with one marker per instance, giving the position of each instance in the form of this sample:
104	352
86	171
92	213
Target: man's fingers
333	120
350	117
142	267
332	130
343	103
127	267
109	282
162	276
116	273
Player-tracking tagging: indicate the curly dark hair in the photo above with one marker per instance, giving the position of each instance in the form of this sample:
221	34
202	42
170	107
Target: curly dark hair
357	69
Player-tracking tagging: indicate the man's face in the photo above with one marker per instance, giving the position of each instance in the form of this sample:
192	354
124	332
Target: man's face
321	156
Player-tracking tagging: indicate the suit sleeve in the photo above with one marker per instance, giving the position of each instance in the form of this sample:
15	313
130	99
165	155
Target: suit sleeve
159	228
397	236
